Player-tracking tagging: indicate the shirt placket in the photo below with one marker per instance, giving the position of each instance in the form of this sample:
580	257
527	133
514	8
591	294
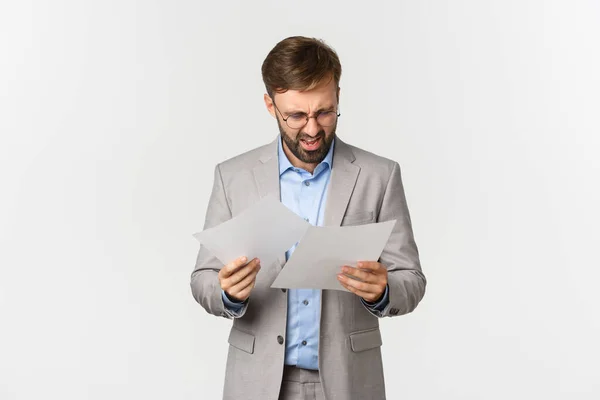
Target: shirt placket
304	299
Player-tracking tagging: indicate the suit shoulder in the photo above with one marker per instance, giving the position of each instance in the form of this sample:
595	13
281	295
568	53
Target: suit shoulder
372	161
244	160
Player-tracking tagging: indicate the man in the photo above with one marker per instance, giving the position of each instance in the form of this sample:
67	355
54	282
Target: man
305	343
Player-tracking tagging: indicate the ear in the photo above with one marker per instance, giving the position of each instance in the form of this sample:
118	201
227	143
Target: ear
338	94
269	105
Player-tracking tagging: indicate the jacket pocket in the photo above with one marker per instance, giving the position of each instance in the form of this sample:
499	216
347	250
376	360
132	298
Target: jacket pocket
365	340
359	218
241	340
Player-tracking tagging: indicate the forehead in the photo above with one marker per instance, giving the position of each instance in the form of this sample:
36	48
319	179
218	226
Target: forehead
322	95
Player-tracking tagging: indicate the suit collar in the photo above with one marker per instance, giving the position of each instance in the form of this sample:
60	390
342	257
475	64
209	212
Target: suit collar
344	174
269	151
266	172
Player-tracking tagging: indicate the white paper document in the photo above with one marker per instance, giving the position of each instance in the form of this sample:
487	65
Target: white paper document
266	230
323	251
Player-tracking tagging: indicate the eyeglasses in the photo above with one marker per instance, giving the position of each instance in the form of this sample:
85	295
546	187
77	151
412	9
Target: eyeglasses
298	120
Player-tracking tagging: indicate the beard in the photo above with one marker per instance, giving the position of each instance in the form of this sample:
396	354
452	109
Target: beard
312	156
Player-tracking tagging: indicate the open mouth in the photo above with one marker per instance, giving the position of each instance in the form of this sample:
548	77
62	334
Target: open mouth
312	144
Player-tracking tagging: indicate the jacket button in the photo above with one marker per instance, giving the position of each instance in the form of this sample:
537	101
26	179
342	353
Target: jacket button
280	339
283	290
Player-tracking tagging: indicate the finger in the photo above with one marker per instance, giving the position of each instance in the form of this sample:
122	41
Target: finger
230	268
365	295
362	286
366	276
242	273
244	286
245	278
233	267
245	293
369	265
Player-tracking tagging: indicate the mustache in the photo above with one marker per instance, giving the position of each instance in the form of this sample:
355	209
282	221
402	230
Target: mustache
304	136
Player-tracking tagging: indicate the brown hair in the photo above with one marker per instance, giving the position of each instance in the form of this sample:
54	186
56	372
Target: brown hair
299	63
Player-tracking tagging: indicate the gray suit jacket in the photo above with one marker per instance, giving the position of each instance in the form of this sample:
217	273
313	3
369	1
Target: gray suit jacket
364	188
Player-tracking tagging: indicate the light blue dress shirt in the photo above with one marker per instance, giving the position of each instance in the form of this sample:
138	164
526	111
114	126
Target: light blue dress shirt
306	195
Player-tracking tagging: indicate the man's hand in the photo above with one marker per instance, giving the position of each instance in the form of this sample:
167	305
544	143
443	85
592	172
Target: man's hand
237	278
373	276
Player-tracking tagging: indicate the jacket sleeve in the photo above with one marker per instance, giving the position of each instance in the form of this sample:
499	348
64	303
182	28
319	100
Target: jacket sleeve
406	281
204	280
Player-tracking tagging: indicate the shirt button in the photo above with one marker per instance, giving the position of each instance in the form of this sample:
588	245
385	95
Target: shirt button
305	302
304	343
280	339
306	219
307	183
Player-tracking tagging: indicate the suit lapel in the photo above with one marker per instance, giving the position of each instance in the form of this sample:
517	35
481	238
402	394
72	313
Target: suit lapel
266	177
266	173
343	179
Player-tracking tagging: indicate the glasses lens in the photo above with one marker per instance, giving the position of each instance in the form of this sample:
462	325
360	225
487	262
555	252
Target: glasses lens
296	121
327	118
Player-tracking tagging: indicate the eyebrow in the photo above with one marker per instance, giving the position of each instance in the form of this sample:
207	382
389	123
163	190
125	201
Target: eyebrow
322	109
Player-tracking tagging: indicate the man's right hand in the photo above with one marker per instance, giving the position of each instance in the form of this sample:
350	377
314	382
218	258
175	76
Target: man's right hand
237	278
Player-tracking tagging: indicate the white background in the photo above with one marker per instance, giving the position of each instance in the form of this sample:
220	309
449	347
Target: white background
114	113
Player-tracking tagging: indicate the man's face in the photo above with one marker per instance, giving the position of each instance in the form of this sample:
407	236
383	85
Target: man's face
309	144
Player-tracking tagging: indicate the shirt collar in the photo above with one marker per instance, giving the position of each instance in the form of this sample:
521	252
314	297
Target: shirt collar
285	164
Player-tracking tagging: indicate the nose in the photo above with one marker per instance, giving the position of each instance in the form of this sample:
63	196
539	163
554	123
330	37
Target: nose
312	127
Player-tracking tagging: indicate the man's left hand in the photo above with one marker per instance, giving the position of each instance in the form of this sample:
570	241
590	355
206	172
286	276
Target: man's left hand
373	276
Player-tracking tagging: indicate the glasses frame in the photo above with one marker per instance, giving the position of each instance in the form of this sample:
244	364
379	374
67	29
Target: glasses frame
308	117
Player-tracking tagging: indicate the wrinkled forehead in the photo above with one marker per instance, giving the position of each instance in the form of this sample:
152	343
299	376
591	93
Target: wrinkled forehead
322	96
